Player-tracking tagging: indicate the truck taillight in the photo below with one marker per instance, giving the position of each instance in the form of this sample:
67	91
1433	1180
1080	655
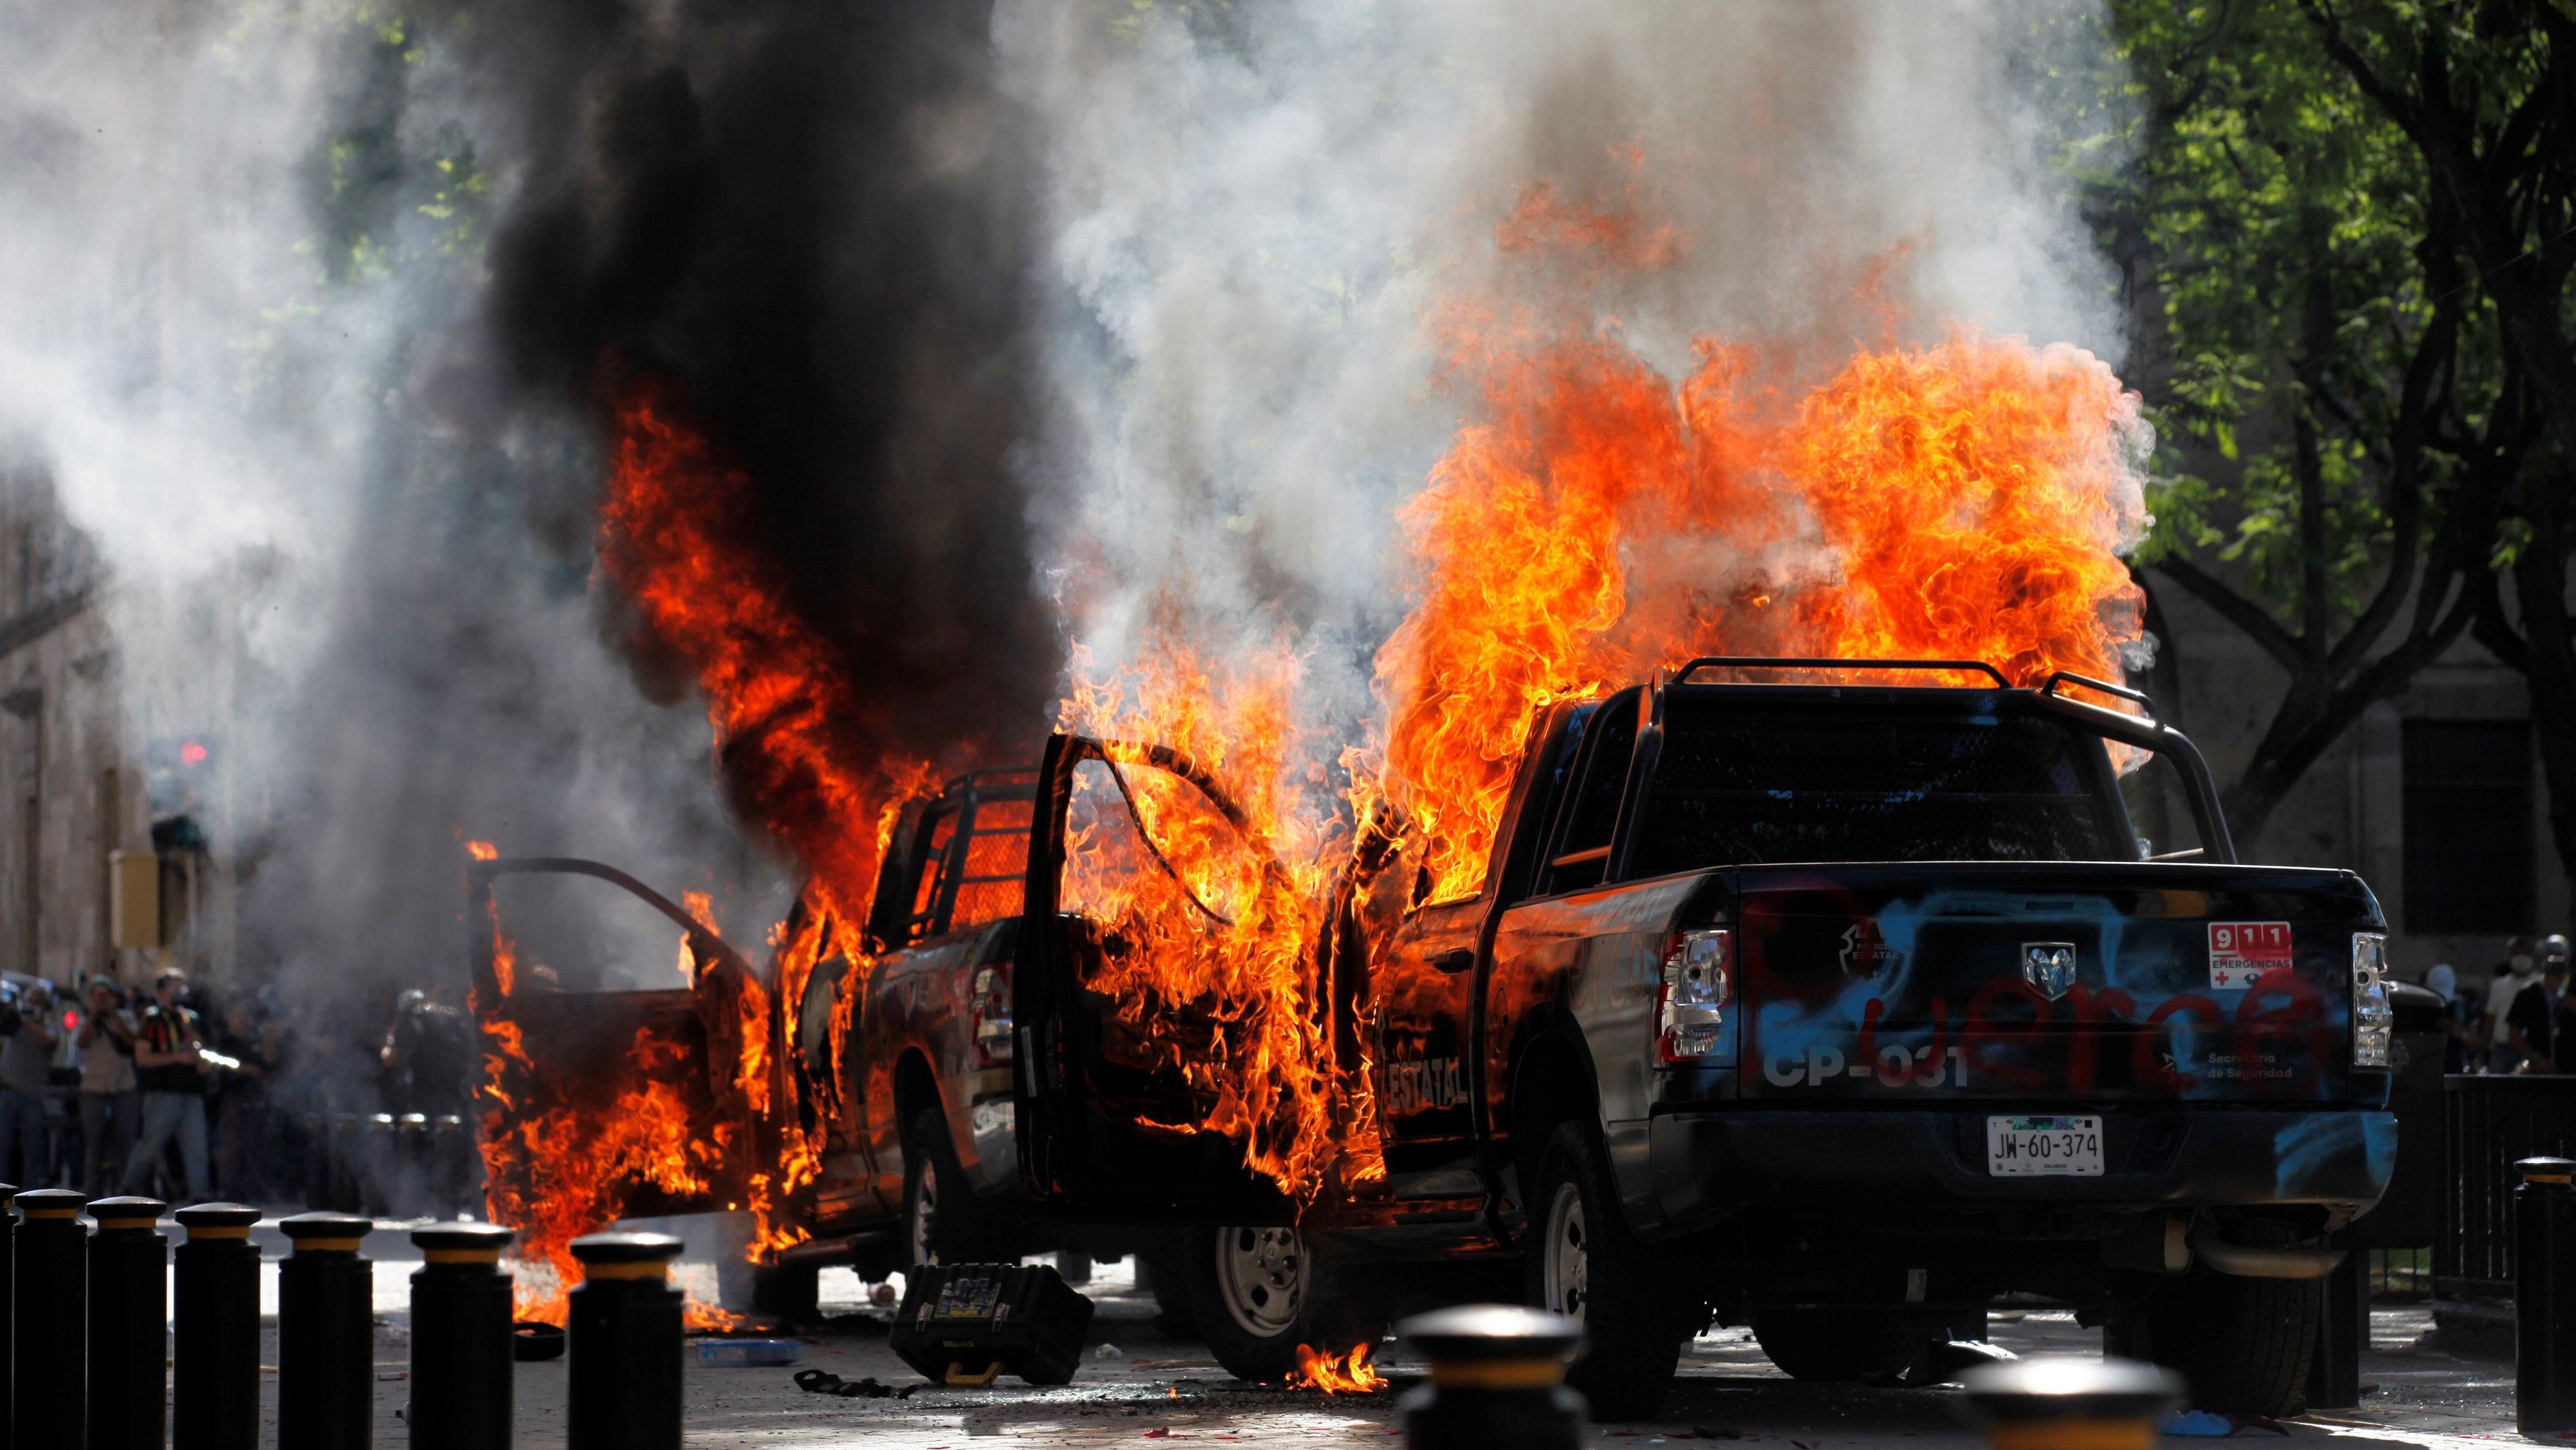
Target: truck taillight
2372	1018
988	1017
1699	970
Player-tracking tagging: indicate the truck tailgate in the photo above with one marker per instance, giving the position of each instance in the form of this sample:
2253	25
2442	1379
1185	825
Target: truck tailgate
2050	981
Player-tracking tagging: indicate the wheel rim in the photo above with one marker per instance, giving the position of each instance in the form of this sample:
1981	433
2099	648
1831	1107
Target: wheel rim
1566	1269
925	1211
1261	1274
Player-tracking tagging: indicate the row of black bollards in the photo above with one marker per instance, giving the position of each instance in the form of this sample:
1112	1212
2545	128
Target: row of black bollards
90	1309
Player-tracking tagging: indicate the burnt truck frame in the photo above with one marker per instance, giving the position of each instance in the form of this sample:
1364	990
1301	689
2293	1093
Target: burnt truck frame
919	1160
1803	1148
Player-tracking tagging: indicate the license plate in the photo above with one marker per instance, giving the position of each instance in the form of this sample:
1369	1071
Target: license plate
2044	1147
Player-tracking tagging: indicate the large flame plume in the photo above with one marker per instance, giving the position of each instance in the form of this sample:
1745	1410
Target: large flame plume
1593	520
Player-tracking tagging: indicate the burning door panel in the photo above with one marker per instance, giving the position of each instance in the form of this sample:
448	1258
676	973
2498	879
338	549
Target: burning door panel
609	1104
1423	985
1141	882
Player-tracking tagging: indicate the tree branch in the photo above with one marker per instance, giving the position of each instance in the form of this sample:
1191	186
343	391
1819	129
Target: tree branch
2237	610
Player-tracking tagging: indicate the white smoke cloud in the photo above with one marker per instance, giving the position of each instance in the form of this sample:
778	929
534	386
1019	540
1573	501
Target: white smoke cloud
1255	208
238	252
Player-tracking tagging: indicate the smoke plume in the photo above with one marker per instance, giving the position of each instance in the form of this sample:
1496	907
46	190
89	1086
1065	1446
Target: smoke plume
1024	322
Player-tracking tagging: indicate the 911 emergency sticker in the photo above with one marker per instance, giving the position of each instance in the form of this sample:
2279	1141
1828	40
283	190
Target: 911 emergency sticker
2240	951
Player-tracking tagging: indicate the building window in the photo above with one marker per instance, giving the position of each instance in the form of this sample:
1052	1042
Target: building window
2468	826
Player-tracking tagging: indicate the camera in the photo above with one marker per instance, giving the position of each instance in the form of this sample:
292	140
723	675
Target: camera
11	1018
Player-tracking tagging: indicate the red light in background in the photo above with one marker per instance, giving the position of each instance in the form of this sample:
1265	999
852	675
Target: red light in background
71	1020
192	752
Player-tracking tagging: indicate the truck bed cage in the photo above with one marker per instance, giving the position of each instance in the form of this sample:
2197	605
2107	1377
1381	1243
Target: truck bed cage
1775	662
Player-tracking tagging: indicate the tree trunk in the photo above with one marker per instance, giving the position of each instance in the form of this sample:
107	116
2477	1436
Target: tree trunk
2540	581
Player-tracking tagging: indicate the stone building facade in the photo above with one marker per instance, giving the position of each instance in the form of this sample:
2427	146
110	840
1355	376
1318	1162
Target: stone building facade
91	766
2435	796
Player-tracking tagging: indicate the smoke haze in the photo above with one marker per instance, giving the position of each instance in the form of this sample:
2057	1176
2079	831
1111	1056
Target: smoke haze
1029	321
1254	212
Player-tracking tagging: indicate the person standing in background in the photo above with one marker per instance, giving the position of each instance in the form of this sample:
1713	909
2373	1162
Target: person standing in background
2534	1013
2519	969
170	1064
108	1099
26	1060
240	1101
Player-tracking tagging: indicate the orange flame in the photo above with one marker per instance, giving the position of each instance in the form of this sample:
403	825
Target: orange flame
1597	522
561	1148
1337	1375
1214	974
1593	521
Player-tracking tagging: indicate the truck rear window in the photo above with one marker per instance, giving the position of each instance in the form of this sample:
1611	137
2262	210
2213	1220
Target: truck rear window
1742	784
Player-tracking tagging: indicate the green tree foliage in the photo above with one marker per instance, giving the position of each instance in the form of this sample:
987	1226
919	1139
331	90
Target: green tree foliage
2484	93
2340	424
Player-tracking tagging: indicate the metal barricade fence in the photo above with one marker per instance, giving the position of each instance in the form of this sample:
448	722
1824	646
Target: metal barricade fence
2488	1124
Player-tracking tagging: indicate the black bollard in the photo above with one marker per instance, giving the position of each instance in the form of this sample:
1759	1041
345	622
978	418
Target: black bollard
214	1331
2544	1296
1497	1379
52	1319
625	1345
462	1362
326	1338
8	1267
129	1317
2069	1403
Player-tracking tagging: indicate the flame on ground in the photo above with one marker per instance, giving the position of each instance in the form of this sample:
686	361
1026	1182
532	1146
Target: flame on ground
1351	1373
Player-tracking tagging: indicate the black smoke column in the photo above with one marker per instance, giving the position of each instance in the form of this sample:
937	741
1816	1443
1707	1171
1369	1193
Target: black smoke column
816	223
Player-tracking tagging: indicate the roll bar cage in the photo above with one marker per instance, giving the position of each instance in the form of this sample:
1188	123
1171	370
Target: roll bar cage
2142	731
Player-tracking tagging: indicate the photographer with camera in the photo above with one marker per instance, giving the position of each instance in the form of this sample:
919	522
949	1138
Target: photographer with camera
27	1041
109	1101
170	1064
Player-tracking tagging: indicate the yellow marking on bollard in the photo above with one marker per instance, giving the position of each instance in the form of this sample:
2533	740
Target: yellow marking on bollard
35	1213
1496	1374
465	1256
653	1269
218	1231
326	1246
2073	1435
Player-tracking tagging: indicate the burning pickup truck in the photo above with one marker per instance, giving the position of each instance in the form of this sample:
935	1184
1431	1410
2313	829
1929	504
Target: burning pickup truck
1838	1009
1835	1009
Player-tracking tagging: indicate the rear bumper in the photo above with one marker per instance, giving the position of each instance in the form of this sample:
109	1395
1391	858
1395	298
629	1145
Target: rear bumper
1707	1164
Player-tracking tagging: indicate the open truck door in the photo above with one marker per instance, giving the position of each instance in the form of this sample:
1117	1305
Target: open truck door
615	1103
1110	1118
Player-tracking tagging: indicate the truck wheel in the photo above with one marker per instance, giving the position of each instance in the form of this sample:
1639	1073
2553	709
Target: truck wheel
1832	1346
2244	1344
1584	1262
938	1205
1256	1294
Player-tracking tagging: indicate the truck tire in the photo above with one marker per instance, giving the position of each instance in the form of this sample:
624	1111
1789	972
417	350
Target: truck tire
1835	1345
2243	1344
940	1222
1583	1261
1256	1294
